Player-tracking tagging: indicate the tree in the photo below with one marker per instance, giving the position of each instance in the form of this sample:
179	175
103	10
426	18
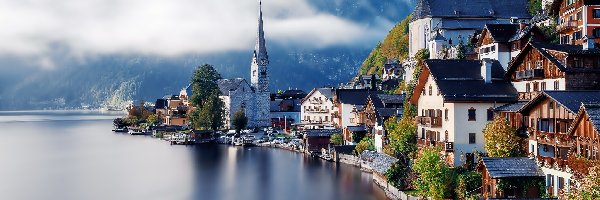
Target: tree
204	84
501	139
240	121
210	116
434	175
402	136
367	143
152	119
460	50
535	6
587	188
337	139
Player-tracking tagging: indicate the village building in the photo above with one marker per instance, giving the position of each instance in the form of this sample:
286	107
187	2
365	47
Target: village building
237	95
286	108
541	67
547	119
438	25
347	102
378	109
317	139
503	42
576	20
586	130
317	109
392	70
456	99
516	169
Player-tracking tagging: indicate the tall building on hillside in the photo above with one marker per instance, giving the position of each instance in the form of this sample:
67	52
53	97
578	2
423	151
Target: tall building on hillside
260	75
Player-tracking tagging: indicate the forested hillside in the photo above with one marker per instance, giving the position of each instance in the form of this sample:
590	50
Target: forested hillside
393	47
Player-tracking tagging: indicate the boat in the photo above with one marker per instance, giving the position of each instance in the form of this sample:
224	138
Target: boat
120	130
248	140
181	139
135	131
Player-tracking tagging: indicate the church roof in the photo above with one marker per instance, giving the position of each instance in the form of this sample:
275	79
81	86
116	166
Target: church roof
226	85
471	9
260	50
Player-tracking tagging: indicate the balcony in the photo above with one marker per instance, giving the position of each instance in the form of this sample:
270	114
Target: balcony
432	122
554	139
567	26
549	162
311	110
446	146
527	95
530	74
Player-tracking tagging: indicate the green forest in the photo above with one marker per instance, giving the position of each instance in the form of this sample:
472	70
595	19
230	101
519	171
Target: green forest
393	47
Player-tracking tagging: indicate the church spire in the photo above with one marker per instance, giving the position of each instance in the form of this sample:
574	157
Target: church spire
260	51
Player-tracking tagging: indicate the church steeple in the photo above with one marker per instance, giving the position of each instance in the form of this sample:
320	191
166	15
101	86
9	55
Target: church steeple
260	50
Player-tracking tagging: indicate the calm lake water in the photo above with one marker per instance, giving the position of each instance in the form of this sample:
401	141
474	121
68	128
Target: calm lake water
74	155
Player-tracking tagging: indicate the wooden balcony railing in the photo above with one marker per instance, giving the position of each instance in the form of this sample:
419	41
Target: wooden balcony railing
566	26
554	139
550	162
445	146
433	122
530	74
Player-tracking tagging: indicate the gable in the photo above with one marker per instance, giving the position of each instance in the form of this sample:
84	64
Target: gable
532	58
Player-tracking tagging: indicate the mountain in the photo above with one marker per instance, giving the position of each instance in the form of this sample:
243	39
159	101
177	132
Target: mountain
112	79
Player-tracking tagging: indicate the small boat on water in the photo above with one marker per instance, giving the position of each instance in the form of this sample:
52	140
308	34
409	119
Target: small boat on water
120	130
248	140
181	139
135	131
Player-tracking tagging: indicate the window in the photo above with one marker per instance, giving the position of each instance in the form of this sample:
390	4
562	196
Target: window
596	13
326	118
543	86
446	114
556	85
551	105
430	90
472	138
490	114
422	133
561	182
527	87
579	16
472	116
536	86
423	92
493	48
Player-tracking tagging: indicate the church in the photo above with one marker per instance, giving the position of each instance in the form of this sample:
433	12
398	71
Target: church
251	97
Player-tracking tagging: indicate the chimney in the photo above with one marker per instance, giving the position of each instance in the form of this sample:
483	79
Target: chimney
486	70
588	42
522	25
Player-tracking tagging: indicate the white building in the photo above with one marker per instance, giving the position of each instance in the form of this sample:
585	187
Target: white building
456	99
237	94
456	21
316	110
503	42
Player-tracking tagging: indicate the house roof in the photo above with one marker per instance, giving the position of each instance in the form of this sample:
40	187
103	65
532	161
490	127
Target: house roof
512	167
379	162
356	129
294	94
327	92
471	9
344	149
571	100
511	107
320	132
354	96
592	110
391	98
544	49
461	81
226	85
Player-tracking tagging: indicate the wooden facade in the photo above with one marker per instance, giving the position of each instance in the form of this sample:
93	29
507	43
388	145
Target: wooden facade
587	142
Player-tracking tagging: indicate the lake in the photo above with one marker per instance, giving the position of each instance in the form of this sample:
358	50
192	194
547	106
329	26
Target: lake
74	155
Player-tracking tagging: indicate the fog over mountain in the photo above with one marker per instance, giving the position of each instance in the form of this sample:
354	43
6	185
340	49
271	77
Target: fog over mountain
72	53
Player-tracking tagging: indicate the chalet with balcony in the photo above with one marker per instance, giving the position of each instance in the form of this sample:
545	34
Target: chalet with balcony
317	109
547	119
541	67
586	131
347	103
456	99
503	42
577	19
378	109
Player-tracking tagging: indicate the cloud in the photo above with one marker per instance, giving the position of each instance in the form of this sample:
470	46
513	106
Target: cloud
36	28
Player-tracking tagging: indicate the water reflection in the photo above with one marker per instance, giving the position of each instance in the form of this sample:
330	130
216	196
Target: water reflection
80	158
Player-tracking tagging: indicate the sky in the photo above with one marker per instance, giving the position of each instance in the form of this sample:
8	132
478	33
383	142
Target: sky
38	30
